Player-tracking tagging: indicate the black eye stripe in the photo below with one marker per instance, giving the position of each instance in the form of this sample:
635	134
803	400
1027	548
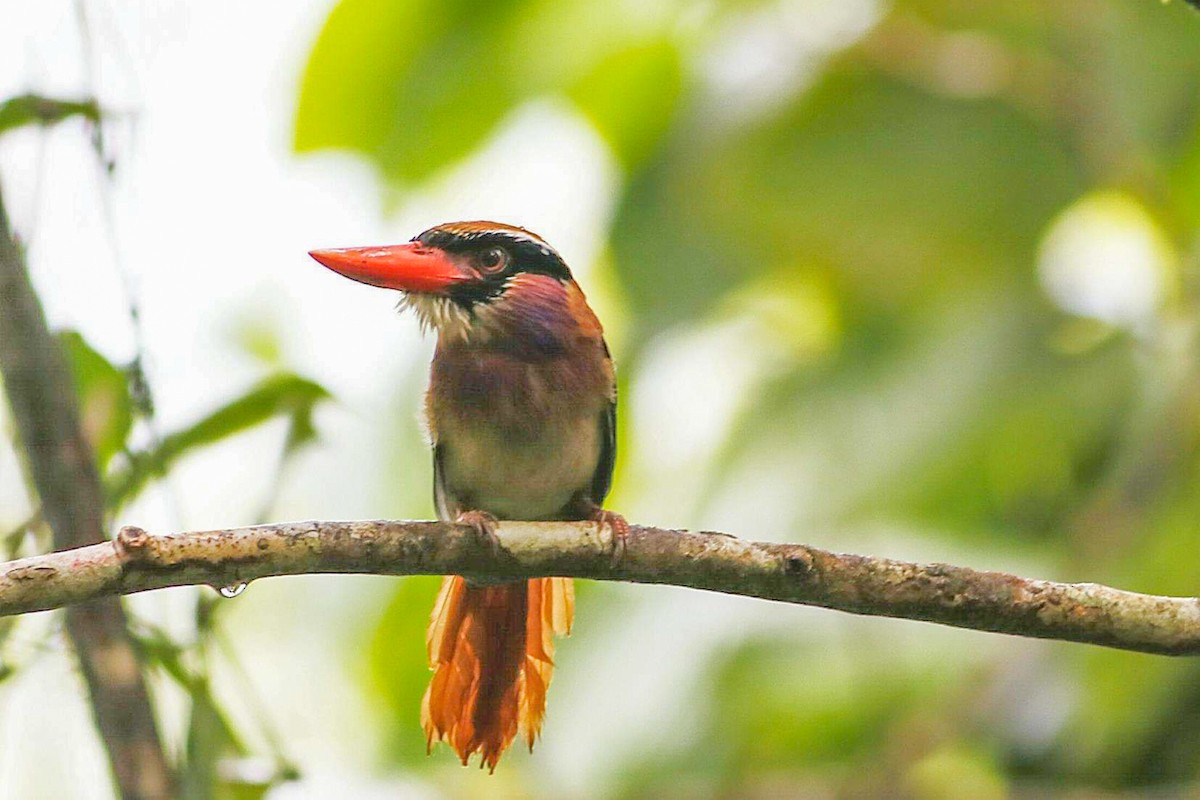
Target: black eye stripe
525	254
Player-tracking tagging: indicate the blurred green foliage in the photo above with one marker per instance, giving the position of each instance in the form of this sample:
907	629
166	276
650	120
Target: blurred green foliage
887	202
212	744
398	674
289	396
417	85
895	187
105	408
32	109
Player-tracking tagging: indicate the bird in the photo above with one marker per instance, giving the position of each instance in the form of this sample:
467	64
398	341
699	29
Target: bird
521	412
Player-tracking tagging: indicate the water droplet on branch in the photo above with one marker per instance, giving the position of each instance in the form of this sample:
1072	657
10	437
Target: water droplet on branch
233	590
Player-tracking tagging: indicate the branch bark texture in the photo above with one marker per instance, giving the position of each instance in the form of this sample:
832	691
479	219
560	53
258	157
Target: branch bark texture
61	465
950	595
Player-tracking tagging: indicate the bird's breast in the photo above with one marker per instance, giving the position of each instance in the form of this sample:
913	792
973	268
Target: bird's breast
517	438
529	478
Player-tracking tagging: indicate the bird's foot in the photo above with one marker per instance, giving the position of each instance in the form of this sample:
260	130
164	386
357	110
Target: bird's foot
484	525
620	531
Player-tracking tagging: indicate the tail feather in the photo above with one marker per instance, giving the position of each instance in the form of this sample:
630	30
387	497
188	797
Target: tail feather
492	652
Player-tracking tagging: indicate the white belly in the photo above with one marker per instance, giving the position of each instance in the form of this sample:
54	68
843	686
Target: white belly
531	478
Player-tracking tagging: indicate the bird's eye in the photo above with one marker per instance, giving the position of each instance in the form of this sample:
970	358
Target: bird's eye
493	260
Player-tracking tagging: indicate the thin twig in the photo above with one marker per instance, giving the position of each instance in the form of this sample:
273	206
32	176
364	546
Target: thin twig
950	595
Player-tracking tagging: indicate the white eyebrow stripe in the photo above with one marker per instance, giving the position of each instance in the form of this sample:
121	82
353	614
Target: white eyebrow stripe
479	230
513	236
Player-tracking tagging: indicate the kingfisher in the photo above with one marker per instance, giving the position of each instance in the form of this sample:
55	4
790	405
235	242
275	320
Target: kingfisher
521	414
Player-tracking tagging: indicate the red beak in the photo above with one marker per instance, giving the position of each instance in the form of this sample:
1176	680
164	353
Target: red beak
410	267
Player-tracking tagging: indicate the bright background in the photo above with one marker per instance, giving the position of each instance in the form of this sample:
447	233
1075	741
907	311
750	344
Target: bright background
915	279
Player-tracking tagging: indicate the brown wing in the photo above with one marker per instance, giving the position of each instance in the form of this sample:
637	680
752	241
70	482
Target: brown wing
602	480
441	502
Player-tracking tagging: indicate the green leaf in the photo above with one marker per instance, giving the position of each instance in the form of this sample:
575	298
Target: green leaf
156	648
32	109
7	669
301	431
229	790
414	85
630	96
259	337
956	770
285	395
210	738
398	667
105	407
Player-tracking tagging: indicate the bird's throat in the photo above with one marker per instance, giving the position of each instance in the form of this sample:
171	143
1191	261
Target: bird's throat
439	314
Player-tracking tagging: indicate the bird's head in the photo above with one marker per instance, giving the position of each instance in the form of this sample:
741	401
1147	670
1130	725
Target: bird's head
470	280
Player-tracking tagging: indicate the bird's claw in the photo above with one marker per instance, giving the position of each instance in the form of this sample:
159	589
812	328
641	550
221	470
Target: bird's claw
484	525
620	531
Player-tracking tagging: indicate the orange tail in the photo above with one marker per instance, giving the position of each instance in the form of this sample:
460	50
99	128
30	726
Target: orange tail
492	652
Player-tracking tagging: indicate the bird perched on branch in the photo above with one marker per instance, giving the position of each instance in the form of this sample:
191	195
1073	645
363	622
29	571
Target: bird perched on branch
521	410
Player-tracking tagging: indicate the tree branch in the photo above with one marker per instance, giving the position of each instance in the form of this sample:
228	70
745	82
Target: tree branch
41	394
964	598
